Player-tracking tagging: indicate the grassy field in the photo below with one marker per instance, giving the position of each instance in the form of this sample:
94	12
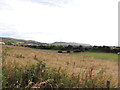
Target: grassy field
109	56
52	69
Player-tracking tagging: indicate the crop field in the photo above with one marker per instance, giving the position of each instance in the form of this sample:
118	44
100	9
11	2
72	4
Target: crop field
35	68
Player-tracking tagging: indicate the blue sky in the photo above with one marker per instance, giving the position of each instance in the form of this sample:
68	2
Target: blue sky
83	21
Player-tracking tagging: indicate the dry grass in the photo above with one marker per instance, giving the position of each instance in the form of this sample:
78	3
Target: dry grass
73	64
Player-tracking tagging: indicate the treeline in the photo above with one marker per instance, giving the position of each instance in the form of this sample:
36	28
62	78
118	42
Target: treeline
71	48
80	48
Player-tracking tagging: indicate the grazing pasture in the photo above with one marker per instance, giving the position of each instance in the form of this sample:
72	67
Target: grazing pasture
53	69
105	56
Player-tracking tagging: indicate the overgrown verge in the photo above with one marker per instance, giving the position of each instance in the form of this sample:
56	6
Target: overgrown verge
40	76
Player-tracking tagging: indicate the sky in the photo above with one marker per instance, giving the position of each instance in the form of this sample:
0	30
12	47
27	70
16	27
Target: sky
93	22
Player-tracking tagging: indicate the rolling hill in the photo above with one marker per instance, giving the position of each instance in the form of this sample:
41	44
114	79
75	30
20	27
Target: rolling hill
18	41
69	43
22	41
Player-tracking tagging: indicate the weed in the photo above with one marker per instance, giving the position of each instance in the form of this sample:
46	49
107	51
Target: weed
35	57
19	56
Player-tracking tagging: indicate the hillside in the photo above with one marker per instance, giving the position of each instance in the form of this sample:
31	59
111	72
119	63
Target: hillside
70	43
17	41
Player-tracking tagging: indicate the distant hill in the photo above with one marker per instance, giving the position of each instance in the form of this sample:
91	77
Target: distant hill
18	41
70	43
22	41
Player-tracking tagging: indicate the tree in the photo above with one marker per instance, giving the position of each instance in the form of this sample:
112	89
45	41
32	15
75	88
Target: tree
69	47
8	43
81	48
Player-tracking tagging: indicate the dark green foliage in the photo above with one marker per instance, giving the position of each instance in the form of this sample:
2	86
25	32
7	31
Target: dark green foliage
76	51
106	49
60	51
68	51
8	43
69	47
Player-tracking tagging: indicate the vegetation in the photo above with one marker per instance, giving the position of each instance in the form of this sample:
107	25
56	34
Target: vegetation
40	76
12	41
100	55
61	46
59	51
47	69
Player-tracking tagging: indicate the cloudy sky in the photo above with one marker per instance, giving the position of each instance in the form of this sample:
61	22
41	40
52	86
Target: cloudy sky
83	21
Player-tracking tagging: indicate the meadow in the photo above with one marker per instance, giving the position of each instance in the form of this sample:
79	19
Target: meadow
35	68
99	55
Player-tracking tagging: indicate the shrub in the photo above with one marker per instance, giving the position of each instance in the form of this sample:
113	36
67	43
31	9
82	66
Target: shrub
68	51
59	51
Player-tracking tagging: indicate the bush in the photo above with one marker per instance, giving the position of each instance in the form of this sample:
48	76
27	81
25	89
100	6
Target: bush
59	51
68	51
8	43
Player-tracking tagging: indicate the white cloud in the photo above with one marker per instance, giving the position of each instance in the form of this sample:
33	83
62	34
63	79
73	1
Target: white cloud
83	21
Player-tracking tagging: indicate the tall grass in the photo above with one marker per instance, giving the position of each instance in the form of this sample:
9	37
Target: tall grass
38	75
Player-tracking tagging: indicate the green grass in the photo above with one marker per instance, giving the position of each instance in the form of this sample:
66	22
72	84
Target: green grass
100	55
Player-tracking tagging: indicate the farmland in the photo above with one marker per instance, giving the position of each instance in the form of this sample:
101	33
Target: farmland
83	70
106	56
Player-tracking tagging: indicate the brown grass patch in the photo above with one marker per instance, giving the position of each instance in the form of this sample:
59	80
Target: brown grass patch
69	62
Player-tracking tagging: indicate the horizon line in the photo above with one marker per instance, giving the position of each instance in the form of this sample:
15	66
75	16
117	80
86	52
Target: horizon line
54	41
